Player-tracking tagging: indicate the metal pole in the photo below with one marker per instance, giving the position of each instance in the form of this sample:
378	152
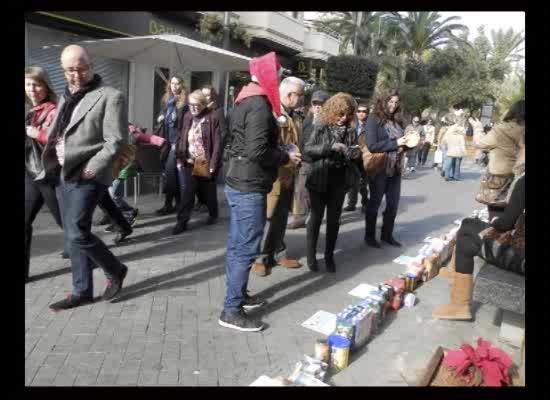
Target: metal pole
226	37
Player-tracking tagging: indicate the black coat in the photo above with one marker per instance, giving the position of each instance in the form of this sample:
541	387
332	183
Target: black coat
163	133
307	129
326	161
376	138
253	153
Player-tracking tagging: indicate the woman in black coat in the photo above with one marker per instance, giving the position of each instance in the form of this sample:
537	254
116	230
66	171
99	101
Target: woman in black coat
174	108
384	134
199	142
331	148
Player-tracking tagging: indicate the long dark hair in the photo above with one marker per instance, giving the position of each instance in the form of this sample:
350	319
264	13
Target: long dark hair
381	107
516	113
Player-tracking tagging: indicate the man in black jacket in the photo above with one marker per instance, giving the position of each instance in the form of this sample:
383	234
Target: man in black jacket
254	158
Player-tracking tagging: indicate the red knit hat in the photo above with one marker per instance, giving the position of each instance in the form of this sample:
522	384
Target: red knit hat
265	71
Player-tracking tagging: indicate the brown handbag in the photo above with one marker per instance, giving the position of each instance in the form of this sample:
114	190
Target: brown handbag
201	168
493	189
373	163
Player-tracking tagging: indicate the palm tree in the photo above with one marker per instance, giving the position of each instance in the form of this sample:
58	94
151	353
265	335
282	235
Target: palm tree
359	28
506	45
425	30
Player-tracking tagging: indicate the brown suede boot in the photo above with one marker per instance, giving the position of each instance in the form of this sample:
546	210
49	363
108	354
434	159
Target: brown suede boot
288	262
460	295
447	271
260	269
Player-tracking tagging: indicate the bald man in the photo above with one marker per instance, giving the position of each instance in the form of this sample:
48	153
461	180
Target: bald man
88	132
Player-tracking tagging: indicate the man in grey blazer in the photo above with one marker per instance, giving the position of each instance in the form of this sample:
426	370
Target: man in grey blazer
86	136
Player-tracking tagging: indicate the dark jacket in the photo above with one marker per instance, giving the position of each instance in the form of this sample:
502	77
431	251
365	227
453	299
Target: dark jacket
254	155
307	129
211	138
163	133
325	160
376	138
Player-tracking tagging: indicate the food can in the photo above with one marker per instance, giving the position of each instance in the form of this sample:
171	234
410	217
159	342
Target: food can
410	299
322	350
410	280
339	353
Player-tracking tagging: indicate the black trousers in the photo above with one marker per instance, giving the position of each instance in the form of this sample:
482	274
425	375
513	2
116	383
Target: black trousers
469	245
192	186
36	195
380	186
171	179
332	200
359	186
423	153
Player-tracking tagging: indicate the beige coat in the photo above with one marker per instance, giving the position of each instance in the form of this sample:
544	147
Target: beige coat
288	134
503	143
454	139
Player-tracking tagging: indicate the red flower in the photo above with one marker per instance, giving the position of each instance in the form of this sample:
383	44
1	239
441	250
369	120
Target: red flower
492	362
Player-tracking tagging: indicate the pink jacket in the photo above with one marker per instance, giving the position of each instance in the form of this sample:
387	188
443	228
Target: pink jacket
144	137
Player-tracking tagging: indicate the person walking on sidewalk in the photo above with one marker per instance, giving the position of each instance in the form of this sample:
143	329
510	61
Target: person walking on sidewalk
86	136
332	148
279	200
174	108
254	157
41	97
198	159
302	203
360	178
429	138
384	135
455	143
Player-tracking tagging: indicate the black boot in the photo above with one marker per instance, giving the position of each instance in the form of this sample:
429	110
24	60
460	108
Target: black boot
387	231
329	262
167	208
370	229
311	243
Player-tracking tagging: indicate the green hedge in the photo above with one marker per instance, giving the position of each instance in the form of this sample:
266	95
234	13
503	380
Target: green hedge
352	74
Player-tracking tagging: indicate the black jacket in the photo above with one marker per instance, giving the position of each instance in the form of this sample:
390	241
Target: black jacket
325	160
376	138
253	153
307	129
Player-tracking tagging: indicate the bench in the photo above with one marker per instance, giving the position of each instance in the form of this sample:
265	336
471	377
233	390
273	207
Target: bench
505	290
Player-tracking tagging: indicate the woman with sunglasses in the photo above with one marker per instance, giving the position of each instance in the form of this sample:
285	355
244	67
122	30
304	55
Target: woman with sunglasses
332	148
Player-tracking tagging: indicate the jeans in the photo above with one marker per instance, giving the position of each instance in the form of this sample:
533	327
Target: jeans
423	153
190	187
379	186
411	157
108	206
80	200
36	195
247	215
273	246
452	167
117	194
170	175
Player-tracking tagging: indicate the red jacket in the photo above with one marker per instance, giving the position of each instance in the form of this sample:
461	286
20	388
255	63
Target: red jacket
42	118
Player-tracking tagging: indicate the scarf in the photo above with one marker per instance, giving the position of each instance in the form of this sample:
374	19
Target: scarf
170	115
71	101
393	131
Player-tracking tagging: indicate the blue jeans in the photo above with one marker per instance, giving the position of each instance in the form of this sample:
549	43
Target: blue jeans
452	167
80	200
117	194
247	216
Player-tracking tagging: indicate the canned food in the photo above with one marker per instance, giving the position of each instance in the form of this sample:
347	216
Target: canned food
339	353
322	350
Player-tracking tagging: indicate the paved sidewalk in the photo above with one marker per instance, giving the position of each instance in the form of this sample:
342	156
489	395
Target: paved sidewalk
163	328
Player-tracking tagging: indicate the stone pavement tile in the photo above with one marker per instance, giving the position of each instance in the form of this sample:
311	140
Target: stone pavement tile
208	377
55	359
168	376
30	372
87	378
106	379
128	373
45	375
147	377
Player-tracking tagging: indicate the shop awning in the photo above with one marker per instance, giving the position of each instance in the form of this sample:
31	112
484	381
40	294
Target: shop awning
168	51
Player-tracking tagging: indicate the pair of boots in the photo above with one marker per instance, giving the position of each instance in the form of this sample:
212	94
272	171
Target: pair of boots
387	230
311	238
460	295
168	208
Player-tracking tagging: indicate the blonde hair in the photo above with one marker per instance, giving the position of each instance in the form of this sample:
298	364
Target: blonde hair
40	75
199	96
182	97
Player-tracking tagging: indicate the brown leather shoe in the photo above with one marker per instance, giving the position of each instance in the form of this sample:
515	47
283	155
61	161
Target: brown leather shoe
260	269
289	262
296	225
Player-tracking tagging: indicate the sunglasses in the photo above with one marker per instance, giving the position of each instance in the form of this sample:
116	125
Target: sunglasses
316	103
361	111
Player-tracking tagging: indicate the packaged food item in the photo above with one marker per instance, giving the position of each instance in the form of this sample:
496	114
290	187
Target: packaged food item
344	327
410	300
410	282
310	366
339	354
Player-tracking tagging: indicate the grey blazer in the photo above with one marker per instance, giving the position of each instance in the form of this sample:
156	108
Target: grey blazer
97	132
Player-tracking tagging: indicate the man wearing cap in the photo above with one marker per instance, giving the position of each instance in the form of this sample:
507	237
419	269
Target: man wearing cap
254	156
301	205
360	183
279	200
